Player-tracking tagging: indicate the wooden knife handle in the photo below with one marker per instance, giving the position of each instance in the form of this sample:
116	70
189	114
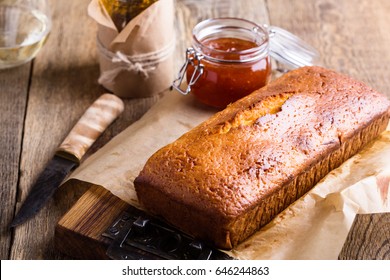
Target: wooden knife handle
90	126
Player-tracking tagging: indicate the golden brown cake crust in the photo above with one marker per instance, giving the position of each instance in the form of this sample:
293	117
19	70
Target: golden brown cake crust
233	173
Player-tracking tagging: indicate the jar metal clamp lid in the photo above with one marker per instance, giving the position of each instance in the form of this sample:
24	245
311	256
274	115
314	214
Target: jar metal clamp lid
194	58
284	47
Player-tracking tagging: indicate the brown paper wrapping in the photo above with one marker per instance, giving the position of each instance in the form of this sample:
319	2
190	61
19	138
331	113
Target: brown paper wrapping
138	61
314	227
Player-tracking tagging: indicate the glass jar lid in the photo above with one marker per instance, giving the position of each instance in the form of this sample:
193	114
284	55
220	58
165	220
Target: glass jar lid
289	49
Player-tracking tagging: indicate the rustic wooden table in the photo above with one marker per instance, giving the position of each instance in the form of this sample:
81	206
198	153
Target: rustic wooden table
42	100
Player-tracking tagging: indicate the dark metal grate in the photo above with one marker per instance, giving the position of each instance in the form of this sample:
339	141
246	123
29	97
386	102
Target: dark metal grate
136	235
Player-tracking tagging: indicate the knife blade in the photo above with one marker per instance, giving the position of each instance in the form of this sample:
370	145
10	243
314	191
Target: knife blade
69	154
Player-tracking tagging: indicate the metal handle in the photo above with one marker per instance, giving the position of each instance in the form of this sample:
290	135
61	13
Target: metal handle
194	58
90	126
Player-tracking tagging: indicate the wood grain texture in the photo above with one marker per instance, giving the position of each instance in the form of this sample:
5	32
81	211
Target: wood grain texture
13	100
368	238
351	36
63	85
79	232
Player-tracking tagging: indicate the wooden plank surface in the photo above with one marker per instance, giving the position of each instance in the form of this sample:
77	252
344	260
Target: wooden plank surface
39	107
351	36
13	100
368	238
61	88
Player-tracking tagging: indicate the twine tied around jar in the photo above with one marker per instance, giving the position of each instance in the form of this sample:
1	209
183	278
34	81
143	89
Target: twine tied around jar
140	63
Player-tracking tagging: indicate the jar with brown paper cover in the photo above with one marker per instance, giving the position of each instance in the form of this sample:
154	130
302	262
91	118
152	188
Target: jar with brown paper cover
135	43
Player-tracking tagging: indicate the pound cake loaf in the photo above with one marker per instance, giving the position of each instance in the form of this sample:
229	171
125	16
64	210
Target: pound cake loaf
232	174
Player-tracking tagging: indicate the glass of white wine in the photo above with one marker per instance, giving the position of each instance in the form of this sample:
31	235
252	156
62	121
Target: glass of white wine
24	27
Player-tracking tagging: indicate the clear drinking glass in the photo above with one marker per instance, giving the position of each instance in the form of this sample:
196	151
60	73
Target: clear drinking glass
24	27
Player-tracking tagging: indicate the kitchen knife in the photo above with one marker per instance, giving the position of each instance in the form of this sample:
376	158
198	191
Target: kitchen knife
90	126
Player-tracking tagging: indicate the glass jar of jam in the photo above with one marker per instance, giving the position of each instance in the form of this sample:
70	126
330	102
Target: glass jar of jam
230	58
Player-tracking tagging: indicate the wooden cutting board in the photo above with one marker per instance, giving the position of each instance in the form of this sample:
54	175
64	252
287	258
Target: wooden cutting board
79	232
99	222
